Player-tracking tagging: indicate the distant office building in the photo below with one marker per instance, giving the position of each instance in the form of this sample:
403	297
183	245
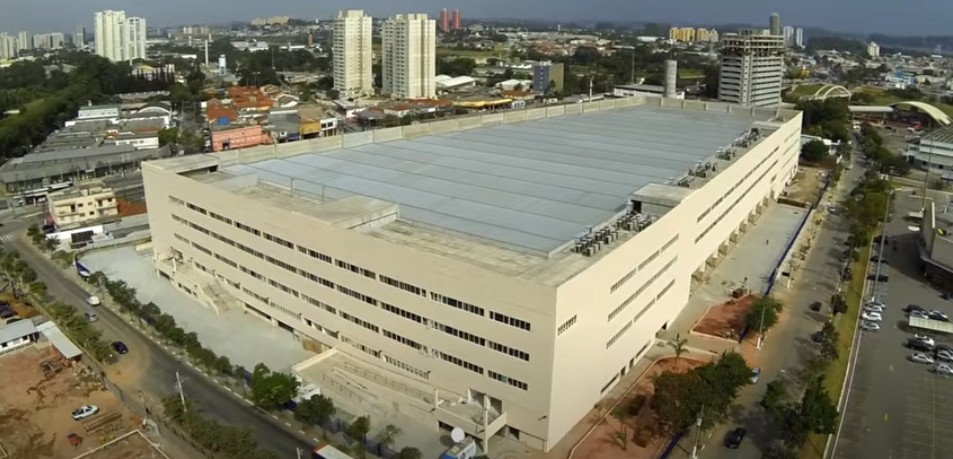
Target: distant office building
706	35
134	44
547	77
408	58
873	50
686	34
775	24
351	48
48	40
79	37
24	41
444	20
274	20
752	67
8	47
799	37
788	33
457	20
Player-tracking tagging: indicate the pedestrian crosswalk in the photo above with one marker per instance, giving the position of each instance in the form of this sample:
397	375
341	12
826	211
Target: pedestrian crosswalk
7	237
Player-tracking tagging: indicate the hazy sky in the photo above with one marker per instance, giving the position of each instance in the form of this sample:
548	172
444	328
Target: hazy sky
912	17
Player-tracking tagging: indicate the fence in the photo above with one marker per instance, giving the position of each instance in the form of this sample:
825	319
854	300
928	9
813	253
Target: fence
671	445
772	279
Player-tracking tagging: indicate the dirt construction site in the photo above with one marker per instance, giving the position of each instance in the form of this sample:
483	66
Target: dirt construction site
38	393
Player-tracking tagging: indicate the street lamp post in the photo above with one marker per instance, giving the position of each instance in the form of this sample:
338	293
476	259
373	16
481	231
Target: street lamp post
698	432
761	329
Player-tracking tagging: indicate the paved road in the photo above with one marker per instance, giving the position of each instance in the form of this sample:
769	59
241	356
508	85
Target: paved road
154	367
788	345
898	409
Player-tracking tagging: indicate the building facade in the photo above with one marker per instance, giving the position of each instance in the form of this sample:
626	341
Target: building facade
229	137
8	46
134	36
752	69
24	41
119	38
353	75
873	50
530	339
775	24
83	205
547	77
788	33
799	37
409	57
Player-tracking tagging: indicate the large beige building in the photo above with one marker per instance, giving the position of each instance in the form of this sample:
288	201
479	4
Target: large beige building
517	264
119	38
352	50
83	205
409	57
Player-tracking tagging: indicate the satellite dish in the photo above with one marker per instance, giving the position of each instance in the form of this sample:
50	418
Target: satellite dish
457	435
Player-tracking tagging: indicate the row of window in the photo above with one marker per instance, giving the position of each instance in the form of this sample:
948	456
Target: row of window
565	325
507	380
638	316
735	204
628	301
460	362
402	340
735	186
361	322
453	302
619	283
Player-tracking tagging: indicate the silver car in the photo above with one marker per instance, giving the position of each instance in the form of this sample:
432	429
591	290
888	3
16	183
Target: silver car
944	369
921	358
870	326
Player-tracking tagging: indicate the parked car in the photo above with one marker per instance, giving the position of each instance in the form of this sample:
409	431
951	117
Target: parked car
879	304
755	375
944	356
91	317
872	308
918	345
93	300
120	347
914	308
84	412
938	315
944	369
816	306
925	339
881	238
921	358
875	259
735	437
944	348
870	326
7	313
872	316
878	278
919	315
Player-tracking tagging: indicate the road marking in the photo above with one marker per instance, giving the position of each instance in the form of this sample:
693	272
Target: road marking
276	417
315	440
301	432
288	424
885	417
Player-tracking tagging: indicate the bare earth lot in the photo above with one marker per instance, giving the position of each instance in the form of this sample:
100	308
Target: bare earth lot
35	409
725	320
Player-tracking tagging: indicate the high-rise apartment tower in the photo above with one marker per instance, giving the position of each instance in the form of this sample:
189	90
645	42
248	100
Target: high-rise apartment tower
352	52
408	59
775	24
752	66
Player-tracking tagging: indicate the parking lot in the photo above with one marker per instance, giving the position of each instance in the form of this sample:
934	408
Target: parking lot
896	408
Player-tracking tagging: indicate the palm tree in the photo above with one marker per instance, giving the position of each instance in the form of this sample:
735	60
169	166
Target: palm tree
619	414
390	434
679	345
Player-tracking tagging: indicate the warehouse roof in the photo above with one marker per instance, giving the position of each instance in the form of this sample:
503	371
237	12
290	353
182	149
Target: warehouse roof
534	185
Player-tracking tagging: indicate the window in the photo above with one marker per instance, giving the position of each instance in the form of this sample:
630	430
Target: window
670	243
279	241
358	295
621	307
202	249
402	340
359	346
361	322
619	334
407	367
320	304
648	260
400	312
403	285
460	334
247	228
196	208
281	264
318	279
220	218
455	303
623	280
176	200
565	326
511	321
504	349
507	380
313	254
226	261
460	362
666	289
356	269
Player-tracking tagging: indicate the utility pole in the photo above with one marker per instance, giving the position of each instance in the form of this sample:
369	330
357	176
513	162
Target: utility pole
178	387
761	329
300	453
698	432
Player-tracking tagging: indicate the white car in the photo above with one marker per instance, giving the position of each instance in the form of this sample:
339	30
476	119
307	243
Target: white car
876	304
944	357
870	326
919	315
944	369
872	308
872	316
925	340
93	300
921	358
85	411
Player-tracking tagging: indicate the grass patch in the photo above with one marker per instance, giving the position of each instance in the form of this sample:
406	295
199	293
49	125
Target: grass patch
805	90
847	326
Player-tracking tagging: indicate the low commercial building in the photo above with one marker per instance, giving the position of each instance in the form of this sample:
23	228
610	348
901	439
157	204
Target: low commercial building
501	272
934	151
446	83
33	174
17	335
643	90
231	136
86	204
547	77
97	112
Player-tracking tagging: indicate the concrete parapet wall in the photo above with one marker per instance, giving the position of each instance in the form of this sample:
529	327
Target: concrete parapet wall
559	110
514	116
535	113
574	109
470	122
358	138
491	120
388	135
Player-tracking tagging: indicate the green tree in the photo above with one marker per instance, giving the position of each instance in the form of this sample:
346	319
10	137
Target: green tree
679	345
838	304
410	452
774	396
390	434
778	450
269	390
827	341
316	410
358	431
764	314
619	413
814	151
816	413
168	136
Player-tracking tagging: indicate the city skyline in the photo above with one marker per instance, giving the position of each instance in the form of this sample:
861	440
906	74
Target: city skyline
876	16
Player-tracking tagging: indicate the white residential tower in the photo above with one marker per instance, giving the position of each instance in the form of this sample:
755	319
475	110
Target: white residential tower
119	38
352	53
408	60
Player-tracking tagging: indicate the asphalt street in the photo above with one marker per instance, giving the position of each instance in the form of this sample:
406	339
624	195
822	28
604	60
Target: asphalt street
896	408
156	367
788	345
